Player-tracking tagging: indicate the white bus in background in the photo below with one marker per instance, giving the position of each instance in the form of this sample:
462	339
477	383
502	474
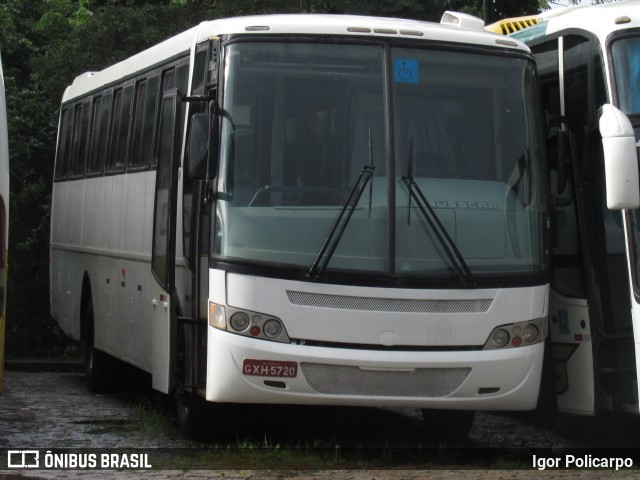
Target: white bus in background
4	218
333	210
589	57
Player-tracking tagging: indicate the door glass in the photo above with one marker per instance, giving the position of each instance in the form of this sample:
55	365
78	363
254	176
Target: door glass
161	233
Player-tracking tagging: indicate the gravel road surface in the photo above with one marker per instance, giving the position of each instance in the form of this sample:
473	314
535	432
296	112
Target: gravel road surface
54	412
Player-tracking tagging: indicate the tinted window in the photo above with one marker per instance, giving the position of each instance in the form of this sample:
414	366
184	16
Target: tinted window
64	144
144	121
161	235
100	134
80	139
120	128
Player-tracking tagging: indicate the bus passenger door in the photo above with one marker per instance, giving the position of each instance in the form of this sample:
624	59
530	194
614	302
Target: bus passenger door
570	323
164	243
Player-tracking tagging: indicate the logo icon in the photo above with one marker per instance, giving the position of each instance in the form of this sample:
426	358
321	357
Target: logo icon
23	458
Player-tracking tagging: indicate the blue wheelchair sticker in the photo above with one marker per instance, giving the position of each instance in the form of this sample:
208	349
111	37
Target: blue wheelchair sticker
406	70
563	319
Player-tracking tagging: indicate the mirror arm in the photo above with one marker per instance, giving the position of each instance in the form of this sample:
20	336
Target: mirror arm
196	98
211	141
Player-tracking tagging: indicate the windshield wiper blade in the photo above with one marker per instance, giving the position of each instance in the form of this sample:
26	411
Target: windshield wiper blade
335	234
451	250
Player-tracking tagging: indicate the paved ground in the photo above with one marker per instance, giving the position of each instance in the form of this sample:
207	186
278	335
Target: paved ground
54	412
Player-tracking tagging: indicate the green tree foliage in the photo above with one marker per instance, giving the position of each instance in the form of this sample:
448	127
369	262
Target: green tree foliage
45	44
31	135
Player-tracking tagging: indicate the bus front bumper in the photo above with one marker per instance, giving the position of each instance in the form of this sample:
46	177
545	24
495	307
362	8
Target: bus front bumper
246	370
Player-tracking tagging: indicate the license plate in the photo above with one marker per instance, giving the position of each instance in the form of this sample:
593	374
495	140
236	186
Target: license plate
269	368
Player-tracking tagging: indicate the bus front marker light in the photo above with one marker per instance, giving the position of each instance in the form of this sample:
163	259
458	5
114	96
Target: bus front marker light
255	331
500	338
272	328
530	333
239	321
516	342
217	317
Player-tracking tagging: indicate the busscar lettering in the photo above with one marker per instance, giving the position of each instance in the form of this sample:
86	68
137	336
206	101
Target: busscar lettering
463	204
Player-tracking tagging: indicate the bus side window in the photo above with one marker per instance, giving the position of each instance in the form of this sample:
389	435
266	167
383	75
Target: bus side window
182	77
80	139
168	79
64	147
99	134
120	128
144	121
168	82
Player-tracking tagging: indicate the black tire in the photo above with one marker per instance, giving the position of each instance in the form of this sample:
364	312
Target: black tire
448	424
96	366
192	408
191	415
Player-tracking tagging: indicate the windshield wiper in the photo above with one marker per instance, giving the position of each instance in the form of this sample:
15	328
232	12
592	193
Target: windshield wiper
346	211
451	250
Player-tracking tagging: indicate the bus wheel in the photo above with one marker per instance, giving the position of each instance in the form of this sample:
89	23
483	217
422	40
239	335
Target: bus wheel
191	406
191	409
95	362
448	424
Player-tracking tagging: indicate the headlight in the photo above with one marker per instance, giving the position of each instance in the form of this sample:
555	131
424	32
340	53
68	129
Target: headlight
518	334
239	321
530	333
500	338
247	323
272	328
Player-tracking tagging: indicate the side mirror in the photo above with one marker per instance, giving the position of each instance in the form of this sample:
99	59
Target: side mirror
199	146
620	159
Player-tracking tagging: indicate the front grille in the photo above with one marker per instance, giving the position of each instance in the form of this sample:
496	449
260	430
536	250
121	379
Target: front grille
392	305
349	380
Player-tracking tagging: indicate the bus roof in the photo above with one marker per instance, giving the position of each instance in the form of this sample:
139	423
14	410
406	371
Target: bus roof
294	24
600	20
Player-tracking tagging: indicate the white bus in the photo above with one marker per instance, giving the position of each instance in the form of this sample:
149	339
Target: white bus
302	209
588	57
4	218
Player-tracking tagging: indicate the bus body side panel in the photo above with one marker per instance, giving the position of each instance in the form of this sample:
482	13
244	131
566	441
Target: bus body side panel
111	245
635	308
4	217
66	238
632	252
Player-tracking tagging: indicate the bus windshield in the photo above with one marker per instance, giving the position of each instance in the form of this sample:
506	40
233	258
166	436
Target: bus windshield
626	65
301	120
